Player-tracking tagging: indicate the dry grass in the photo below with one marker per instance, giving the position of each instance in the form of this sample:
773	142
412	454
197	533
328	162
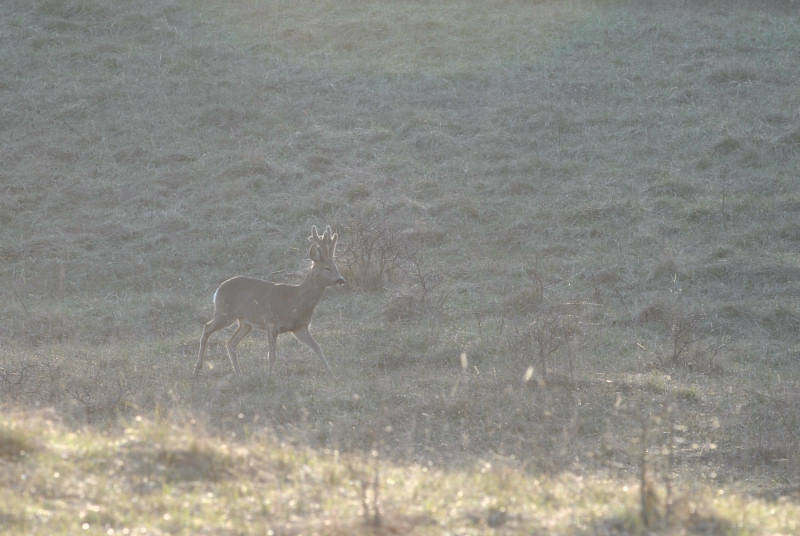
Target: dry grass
594	203
173	478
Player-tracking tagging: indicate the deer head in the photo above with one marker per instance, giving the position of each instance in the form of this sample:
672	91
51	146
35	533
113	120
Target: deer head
321	252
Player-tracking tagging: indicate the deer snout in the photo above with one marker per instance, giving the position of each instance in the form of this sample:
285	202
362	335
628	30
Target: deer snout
340	281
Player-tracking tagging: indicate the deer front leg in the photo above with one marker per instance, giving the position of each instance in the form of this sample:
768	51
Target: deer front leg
302	335
215	324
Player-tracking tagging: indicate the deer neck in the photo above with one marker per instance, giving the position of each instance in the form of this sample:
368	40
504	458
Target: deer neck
311	287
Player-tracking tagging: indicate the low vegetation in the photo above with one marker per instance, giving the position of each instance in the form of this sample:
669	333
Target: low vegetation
155	477
570	232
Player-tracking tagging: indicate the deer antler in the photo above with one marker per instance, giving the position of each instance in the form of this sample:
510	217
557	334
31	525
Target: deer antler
326	242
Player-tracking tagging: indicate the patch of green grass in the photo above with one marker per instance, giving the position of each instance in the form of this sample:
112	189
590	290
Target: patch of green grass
170	475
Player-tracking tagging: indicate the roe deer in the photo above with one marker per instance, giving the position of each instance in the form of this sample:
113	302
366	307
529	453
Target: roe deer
274	307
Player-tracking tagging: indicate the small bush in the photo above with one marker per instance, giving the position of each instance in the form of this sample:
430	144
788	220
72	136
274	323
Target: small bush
377	256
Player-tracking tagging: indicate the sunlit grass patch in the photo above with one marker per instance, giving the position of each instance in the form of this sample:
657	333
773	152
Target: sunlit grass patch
172	475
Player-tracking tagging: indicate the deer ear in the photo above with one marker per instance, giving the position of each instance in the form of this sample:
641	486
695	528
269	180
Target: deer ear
315	253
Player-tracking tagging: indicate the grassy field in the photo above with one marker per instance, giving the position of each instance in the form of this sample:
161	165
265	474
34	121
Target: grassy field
570	231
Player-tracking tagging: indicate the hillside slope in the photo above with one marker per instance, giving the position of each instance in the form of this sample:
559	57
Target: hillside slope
566	227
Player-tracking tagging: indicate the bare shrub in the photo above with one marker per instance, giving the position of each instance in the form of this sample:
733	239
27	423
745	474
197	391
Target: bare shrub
375	254
378	256
16	380
369	487
102	396
98	395
656	459
689	334
660	448
34	383
548	333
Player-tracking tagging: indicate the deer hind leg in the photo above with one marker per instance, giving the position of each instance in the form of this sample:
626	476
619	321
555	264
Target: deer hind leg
272	352
303	335
241	332
215	324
